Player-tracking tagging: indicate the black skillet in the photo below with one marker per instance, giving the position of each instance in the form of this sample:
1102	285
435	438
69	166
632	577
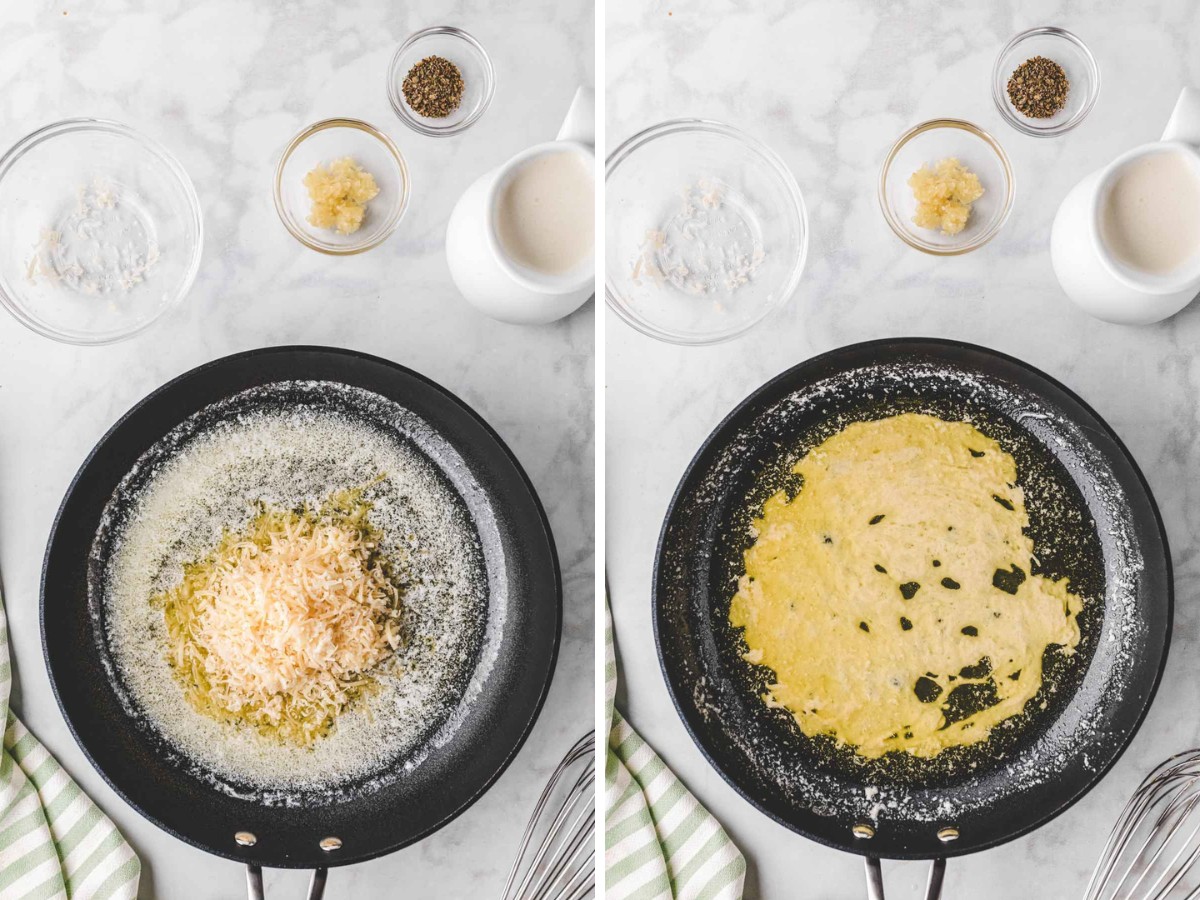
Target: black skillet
1092	519
314	831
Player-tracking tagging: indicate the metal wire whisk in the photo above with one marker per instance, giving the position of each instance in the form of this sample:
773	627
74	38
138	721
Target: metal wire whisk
557	856
1156	841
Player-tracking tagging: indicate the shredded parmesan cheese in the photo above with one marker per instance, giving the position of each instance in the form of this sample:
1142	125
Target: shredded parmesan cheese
281	627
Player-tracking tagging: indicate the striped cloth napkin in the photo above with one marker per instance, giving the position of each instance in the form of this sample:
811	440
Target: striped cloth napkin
660	843
54	842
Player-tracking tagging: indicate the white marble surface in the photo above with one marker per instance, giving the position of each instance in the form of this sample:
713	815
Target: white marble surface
225	84
830	85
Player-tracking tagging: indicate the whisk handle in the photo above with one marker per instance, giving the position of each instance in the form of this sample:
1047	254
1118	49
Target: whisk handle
933	887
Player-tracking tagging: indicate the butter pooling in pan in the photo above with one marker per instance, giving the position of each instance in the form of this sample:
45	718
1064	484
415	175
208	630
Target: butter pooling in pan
892	594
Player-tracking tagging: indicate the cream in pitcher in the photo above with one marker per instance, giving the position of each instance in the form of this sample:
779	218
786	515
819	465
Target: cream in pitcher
545	213
1126	240
1150	217
519	241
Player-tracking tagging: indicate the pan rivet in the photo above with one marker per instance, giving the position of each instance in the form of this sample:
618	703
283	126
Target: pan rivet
331	843
946	835
246	838
863	830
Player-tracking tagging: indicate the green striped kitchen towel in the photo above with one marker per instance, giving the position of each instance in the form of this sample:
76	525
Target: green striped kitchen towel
659	842
54	842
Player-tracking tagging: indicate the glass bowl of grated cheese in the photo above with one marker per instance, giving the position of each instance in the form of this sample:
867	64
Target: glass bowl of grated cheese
705	232
100	231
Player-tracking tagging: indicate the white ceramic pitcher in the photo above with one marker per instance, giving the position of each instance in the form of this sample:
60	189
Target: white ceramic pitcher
1084	266
484	274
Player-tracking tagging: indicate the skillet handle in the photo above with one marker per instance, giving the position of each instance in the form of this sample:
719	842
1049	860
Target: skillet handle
316	887
933	888
254	883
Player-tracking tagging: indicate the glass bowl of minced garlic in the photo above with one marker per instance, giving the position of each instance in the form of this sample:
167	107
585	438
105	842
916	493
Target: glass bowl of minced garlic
341	187
946	187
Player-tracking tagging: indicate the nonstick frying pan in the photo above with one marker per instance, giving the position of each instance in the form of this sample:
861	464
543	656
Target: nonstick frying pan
1092	519
416	795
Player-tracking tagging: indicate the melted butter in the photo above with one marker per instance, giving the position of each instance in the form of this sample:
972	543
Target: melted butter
892	595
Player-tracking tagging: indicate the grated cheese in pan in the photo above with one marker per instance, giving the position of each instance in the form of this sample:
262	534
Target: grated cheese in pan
281	627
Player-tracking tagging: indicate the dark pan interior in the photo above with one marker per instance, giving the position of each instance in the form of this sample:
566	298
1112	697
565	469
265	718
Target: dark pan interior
1092	520
400	806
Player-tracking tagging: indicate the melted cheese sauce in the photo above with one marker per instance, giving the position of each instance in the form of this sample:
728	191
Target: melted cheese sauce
892	595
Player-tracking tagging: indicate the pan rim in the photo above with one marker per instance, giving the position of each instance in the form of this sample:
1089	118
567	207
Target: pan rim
547	533
902	343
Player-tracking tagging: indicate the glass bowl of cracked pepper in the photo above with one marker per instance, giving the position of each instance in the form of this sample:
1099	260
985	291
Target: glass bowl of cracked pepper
1045	81
441	81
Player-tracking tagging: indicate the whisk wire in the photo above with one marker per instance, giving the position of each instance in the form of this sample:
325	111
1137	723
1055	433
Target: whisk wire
564	856
556	859
1154	847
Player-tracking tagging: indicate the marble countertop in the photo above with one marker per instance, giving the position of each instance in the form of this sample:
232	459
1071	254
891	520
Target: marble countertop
225	84
830	85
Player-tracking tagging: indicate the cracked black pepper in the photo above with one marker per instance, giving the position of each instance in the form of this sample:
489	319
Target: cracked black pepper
1038	88
433	87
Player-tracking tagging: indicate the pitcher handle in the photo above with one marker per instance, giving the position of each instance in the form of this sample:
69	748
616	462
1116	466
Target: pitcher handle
1184	124
580	123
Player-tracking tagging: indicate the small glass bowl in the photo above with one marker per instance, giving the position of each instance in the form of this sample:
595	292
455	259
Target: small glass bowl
101	231
1076	60
926	144
322	143
649	182
479	78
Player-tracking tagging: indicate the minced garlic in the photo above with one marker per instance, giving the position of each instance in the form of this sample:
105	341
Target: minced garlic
944	195
339	194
